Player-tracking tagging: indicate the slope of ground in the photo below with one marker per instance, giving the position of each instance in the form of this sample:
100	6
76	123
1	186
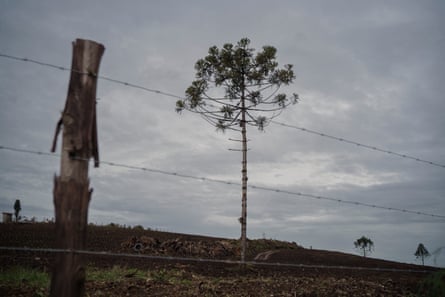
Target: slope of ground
303	272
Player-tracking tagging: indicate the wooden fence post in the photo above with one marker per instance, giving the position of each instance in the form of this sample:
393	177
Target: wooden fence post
71	189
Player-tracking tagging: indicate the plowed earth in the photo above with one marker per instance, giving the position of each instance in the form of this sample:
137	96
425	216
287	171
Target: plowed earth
307	275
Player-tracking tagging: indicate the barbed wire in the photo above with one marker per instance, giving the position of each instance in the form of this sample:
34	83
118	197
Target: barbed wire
19	150
206	260
58	67
374	148
208	179
132	85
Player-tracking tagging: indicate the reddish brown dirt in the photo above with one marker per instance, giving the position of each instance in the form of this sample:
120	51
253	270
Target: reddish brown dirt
189	278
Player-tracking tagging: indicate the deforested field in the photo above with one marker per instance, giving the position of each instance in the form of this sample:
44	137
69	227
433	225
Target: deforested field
142	262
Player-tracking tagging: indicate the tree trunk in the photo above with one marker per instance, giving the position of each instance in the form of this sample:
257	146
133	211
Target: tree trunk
244	183
71	189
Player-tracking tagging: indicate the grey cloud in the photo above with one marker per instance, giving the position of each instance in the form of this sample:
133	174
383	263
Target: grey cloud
369	72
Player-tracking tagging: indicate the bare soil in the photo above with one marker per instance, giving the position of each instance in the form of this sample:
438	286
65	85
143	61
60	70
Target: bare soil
301	272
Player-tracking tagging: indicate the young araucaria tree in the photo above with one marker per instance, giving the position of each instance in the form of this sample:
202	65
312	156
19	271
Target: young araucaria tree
422	253
234	88
365	244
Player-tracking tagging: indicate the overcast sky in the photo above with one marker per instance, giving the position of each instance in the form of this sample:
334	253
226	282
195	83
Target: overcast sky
368	71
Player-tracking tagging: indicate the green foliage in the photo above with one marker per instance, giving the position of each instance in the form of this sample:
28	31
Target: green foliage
433	286
161	275
257	246
17	209
365	244
421	252
171	276
116	273
250	82
17	275
138	228
113	225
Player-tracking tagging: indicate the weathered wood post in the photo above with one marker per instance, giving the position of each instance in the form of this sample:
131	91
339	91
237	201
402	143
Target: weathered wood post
71	189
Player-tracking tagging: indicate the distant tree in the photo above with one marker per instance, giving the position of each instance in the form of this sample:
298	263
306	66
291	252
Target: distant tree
250	84
422	253
17	209
365	244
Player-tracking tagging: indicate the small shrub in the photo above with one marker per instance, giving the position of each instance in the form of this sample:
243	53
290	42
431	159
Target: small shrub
433	286
116	273
170	276
138	228
161	275
18	275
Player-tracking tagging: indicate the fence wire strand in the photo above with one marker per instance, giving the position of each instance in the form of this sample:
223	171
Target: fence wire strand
132	85
374	148
206	260
208	179
113	80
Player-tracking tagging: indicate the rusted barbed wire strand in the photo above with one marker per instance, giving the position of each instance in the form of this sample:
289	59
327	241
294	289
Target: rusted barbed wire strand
201	178
206	260
113	80
374	148
132	85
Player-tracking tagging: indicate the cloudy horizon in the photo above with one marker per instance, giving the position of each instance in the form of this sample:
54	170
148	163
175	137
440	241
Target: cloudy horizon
370	72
